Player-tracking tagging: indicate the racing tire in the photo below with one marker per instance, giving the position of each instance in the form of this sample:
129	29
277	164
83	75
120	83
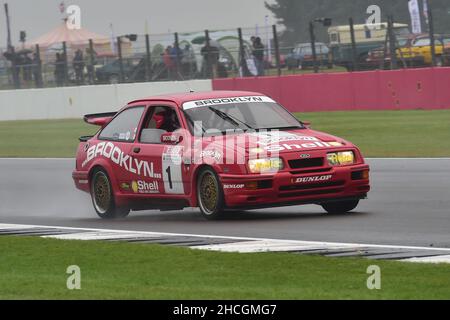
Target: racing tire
340	207
103	197
210	195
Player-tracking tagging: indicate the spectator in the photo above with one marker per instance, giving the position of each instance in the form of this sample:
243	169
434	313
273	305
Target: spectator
27	68
59	70
92	61
258	55
15	60
168	62
188	62
176	55
210	56
36	70
78	66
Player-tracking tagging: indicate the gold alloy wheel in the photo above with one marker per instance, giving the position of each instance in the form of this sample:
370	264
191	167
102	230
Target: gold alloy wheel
209	192
102	193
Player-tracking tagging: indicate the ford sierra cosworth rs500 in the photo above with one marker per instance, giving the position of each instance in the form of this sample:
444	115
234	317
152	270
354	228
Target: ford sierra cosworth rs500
218	151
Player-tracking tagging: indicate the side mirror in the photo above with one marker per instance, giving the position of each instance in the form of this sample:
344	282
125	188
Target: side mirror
171	138
307	124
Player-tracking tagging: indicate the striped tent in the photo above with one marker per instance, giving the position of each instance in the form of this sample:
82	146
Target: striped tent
77	39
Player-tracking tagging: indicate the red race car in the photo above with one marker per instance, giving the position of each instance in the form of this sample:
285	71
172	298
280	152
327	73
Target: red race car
217	150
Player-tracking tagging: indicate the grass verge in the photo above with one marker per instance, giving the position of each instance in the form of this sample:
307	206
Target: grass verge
413	133
35	268
42	138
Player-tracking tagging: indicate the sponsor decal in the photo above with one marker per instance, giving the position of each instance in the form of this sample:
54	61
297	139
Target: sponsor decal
110	151
233	186
313	179
221	101
171	138
272	137
144	187
125	186
301	146
214	154
173	154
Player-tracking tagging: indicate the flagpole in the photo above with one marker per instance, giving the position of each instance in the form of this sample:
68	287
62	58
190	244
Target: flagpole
268	43
113	38
8	27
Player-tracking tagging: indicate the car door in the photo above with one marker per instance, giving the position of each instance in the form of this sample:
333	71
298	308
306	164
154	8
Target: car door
115	142
166	171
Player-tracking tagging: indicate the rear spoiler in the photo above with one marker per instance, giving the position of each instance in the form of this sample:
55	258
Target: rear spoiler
99	119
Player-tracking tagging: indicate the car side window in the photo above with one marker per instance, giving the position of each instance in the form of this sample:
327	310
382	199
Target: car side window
124	126
158	120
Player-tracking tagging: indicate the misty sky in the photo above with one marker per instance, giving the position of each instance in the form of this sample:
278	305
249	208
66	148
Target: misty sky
39	16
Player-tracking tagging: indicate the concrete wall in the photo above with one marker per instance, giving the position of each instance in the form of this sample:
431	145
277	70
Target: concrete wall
74	102
425	88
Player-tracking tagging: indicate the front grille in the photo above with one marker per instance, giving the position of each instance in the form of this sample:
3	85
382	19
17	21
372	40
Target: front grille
306	163
311	171
313	192
312	186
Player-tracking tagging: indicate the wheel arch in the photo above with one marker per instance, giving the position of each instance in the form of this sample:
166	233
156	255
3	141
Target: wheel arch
103	165
200	168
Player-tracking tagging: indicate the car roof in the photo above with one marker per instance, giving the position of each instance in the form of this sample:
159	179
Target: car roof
181	98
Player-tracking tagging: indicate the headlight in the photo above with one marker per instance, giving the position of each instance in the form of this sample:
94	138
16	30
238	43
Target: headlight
265	165
344	158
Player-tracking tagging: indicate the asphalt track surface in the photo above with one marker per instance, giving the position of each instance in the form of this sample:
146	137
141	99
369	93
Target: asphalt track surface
409	205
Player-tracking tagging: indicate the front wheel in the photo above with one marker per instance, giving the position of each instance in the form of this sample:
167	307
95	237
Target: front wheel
210	195
340	207
103	197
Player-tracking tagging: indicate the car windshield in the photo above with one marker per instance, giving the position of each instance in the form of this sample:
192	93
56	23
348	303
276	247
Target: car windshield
221	118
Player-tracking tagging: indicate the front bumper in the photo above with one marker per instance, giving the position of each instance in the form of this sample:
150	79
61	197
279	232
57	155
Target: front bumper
283	188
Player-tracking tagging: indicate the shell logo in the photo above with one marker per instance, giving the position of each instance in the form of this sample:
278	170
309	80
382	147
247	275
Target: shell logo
134	187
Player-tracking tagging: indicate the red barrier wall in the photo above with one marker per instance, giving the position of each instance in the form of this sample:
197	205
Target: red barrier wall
427	88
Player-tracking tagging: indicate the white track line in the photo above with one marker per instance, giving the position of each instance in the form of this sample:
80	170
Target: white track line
99	236
271	246
274	242
436	259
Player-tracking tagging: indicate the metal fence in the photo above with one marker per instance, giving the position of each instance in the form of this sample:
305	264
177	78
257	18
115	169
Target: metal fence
242	52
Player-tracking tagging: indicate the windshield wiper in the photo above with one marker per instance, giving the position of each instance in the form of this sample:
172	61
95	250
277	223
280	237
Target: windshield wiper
286	128
229	118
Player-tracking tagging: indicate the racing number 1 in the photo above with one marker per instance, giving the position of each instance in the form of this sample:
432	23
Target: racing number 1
169	175
172	175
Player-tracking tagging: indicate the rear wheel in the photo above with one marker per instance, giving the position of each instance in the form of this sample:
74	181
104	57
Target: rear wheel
210	194
103	197
340	207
